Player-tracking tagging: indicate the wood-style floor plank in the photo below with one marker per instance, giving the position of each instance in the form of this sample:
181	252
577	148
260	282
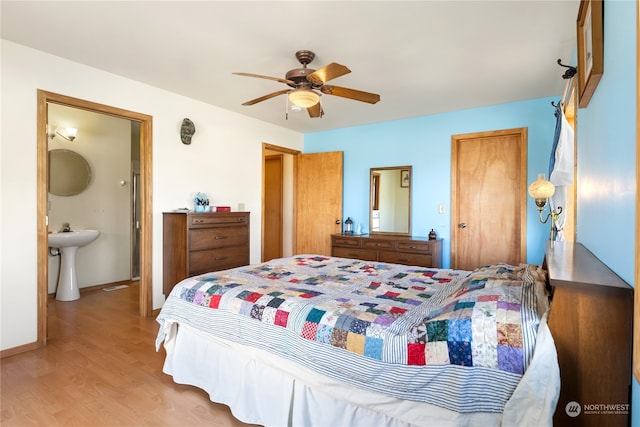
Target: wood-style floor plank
100	368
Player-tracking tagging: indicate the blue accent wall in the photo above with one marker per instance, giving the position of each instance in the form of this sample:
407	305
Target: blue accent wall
425	144
606	144
606	150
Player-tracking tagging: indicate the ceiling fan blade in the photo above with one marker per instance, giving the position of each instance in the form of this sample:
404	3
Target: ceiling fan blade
328	72
264	98
277	79
315	111
344	92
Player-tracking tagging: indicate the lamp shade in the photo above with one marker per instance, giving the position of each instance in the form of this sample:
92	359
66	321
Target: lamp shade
304	98
72	133
541	188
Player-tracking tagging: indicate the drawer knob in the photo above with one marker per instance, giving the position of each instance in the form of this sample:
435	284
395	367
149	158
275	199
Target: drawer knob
220	237
220	258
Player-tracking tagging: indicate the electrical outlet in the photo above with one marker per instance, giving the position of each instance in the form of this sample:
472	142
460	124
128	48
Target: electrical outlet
441	208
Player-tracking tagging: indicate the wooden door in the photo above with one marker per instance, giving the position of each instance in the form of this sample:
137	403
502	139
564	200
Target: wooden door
273	205
488	198
318	201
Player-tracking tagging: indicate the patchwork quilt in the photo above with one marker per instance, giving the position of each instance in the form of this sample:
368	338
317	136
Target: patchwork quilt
396	329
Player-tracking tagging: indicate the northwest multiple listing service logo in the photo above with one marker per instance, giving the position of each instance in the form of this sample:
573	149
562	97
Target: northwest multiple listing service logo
573	409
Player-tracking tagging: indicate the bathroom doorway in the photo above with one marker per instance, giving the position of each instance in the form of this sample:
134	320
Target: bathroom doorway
143	187
108	200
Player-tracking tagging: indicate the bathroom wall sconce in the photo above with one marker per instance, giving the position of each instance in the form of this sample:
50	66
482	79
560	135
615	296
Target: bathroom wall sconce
71	134
541	190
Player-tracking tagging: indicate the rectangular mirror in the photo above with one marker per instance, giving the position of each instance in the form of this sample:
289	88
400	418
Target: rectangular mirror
390	200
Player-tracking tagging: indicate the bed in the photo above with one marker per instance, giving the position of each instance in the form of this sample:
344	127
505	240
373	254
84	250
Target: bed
314	340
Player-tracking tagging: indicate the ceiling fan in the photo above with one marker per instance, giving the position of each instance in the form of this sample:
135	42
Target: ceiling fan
305	84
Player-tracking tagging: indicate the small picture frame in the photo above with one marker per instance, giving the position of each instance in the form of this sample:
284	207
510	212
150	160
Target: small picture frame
405	178
590	49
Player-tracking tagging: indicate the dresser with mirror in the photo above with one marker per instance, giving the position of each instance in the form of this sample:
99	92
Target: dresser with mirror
389	238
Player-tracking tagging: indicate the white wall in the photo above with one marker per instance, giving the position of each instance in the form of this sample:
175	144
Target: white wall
224	161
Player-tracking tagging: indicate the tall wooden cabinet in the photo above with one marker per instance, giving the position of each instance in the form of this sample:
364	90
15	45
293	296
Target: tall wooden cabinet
419	251
591	322
197	243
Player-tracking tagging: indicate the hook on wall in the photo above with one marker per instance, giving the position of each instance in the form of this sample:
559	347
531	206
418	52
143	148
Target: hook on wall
571	70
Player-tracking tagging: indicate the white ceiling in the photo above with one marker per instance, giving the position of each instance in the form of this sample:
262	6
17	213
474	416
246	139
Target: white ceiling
422	57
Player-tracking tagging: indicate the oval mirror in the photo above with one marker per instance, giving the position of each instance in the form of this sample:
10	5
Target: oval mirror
69	173
390	201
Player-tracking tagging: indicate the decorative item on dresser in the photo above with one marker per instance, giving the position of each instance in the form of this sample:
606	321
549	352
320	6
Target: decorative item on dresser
591	323
407	250
197	243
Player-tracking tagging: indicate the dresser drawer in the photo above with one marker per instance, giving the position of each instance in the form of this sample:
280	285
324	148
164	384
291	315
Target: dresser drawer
422	247
209	238
416	251
204	219
377	244
364	254
217	259
422	260
347	242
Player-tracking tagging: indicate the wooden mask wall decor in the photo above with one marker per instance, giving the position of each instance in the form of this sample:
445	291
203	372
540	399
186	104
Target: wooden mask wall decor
186	131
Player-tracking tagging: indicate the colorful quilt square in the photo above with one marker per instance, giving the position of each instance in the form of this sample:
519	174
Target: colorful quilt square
510	359
437	330
269	315
339	338
275	302
416	354
214	301
309	330
324	333
256	311
437	353
281	319
359	326
460	353
315	315
459	330
373	347
355	343
344	322
509	334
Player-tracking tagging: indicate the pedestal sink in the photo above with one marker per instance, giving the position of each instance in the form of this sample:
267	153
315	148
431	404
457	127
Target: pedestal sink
68	244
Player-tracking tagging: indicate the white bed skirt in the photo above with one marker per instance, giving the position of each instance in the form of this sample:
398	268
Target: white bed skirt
262	389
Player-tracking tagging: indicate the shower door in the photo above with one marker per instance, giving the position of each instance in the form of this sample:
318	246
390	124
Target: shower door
135	226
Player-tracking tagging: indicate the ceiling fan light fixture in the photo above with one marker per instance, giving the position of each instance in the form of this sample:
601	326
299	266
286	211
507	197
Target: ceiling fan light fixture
304	98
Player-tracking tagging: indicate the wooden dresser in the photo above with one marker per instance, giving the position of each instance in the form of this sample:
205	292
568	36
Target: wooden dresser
591	322
196	243
395	249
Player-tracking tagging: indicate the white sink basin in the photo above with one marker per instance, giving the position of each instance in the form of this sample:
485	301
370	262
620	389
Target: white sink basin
72	238
68	244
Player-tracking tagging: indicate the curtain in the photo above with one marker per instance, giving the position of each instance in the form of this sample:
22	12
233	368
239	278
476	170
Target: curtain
561	164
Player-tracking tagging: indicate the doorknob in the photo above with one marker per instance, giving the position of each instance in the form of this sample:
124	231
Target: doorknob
462	225
338	221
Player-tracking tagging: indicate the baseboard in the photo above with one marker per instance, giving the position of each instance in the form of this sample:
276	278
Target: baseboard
19	349
104	285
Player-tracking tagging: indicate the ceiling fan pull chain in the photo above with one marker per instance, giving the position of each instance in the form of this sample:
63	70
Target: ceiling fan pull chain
286	108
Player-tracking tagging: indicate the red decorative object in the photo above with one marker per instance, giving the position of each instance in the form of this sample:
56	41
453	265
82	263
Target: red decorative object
223	208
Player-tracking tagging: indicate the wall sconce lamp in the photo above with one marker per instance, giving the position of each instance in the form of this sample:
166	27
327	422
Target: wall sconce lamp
71	134
541	190
304	98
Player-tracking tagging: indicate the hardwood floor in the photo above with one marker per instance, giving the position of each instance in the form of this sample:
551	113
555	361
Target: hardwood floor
100	368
